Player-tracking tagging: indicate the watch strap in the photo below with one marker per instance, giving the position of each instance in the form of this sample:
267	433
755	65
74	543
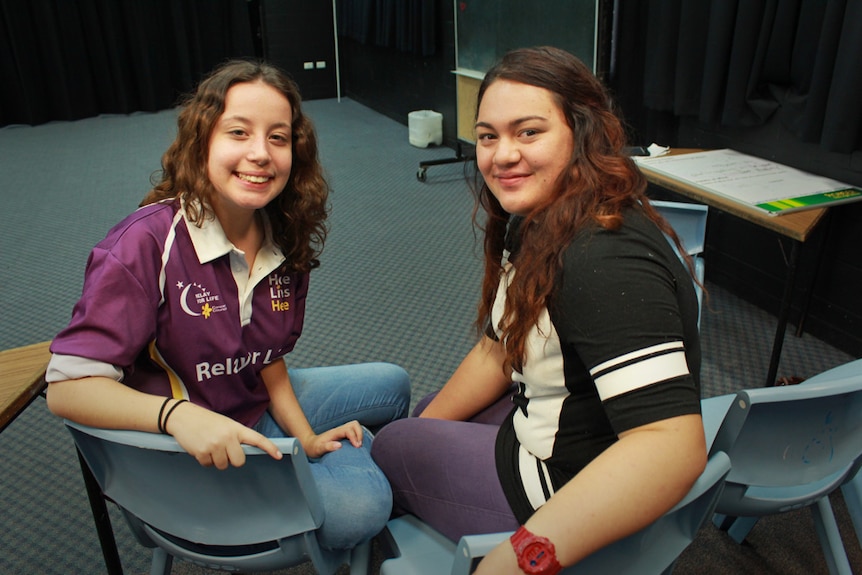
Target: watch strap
521	540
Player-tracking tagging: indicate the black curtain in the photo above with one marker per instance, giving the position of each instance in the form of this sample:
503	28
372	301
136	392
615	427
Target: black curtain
745	63
72	59
406	25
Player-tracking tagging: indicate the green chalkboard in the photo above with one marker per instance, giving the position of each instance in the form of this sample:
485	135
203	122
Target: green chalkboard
487	29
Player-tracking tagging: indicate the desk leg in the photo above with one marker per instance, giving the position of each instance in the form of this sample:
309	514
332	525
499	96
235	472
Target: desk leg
809	287
783	314
102	519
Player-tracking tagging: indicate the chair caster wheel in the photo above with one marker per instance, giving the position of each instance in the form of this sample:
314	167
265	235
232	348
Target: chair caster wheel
421	174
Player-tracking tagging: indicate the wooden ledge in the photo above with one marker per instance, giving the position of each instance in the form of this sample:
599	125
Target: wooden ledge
22	378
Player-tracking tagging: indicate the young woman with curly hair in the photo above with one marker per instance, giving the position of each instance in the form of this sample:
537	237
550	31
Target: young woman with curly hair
576	417
190	303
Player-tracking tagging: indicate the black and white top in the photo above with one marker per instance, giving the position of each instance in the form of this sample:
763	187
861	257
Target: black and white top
618	348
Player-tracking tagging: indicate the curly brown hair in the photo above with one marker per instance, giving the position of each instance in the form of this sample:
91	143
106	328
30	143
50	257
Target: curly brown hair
298	214
599	183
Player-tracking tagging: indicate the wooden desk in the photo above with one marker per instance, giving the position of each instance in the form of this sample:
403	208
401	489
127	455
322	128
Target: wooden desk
796	226
22	379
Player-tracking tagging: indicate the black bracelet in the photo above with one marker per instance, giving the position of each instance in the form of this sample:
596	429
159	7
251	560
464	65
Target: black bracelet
161	411
168	414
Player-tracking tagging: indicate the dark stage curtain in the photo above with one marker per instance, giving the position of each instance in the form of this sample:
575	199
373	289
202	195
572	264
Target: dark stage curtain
745	63
72	59
407	25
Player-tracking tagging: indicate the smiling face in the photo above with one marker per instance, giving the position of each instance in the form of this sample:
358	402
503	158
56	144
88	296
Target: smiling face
523	144
250	150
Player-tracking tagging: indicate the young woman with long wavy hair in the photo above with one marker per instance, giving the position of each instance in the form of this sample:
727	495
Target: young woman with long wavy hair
575	420
191	303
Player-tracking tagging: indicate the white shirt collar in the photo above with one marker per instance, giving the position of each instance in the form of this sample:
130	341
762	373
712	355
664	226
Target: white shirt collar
210	243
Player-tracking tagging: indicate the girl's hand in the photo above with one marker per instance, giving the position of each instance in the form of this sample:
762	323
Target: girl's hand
214	439
319	445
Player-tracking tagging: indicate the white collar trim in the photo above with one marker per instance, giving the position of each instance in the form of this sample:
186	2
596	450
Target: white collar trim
211	243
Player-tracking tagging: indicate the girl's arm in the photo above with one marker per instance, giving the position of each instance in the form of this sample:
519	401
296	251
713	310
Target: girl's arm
478	382
630	485
212	438
286	411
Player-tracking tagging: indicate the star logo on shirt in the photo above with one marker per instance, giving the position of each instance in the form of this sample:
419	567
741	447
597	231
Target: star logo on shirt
196	300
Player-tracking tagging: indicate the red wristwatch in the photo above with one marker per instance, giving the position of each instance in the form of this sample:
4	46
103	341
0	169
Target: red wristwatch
536	555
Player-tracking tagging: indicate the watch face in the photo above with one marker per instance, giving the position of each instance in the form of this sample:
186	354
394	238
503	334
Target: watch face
537	557
536	554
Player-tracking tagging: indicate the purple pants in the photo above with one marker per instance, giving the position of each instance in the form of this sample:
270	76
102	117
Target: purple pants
444	471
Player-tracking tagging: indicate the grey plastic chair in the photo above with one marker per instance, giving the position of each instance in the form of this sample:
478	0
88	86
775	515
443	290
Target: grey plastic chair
852	490
257	517
416	548
790	447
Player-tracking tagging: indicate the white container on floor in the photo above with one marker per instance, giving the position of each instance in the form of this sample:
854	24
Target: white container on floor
425	127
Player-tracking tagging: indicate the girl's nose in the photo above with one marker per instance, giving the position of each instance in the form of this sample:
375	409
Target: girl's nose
506	152
258	151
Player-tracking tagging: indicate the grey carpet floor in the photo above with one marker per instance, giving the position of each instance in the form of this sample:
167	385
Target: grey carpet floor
398	283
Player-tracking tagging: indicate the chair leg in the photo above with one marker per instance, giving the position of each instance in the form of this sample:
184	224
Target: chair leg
830	538
324	561
741	527
737	528
722	521
102	520
852	492
360	559
162	562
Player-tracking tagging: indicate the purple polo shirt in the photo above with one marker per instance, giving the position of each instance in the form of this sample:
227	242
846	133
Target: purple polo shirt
176	308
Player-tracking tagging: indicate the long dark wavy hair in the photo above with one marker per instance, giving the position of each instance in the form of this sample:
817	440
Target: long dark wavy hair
298	214
600	182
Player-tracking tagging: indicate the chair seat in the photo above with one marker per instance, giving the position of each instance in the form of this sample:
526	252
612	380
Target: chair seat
782	499
418	549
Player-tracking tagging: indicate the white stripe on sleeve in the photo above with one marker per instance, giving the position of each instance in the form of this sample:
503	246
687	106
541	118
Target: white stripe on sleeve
639	369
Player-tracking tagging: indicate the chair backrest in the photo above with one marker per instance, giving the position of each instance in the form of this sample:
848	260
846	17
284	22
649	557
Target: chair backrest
798	443
153	478
687	220
689	223
260	516
650	551
843	371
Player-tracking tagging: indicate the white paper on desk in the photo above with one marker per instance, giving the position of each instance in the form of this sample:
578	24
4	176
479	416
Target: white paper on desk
655	150
752	180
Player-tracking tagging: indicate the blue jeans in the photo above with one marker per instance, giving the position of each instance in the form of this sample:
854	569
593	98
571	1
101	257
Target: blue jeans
356	495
